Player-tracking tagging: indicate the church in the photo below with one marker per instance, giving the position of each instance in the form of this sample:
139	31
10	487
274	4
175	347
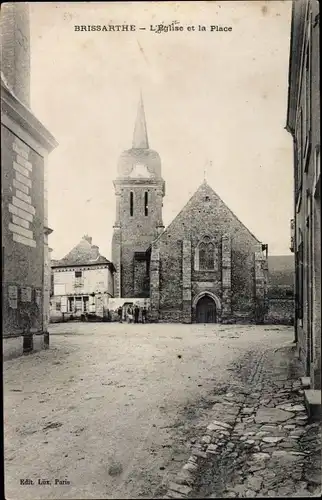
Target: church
205	267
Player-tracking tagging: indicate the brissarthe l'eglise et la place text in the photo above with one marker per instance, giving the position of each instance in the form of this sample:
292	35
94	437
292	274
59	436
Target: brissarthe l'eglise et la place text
155	28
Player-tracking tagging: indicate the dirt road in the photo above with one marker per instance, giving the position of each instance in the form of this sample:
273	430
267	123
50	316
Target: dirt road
108	410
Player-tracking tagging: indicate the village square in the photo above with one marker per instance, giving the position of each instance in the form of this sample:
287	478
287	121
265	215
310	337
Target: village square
182	360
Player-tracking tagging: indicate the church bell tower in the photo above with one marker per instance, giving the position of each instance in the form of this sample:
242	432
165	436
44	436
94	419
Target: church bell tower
139	190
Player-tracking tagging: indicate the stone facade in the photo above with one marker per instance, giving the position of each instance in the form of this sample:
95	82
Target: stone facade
303	122
25	147
205	267
236	277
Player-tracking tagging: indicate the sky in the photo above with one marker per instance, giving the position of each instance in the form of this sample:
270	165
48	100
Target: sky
215	105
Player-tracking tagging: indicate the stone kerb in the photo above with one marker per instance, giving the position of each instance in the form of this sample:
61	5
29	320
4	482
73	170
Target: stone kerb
260	440
213	443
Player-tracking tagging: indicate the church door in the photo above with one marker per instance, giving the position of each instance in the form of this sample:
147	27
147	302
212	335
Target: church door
206	310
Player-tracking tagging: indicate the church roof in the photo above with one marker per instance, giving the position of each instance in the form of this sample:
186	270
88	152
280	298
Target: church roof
204	192
84	253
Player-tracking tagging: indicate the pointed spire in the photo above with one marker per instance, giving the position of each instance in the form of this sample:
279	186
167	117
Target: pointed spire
140	136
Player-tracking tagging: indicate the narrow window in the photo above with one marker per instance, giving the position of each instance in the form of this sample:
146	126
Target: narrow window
206	256
78	274
131	204
146	209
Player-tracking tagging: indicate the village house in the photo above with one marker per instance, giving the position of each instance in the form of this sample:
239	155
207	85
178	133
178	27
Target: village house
303	122
82	283
25	144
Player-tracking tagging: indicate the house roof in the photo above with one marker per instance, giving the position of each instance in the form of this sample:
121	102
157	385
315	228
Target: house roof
84	253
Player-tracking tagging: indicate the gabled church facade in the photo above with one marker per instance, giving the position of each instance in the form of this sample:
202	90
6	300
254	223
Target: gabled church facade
206	267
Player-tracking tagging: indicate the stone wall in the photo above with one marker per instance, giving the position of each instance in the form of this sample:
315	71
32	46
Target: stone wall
134	231
280	311
25	248
22	235
226	311
170	275
186	281
155	284
316	365
116	259
140	272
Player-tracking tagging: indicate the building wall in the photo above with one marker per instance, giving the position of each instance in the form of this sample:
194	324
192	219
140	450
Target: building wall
22	234
96	282
97	305
134	233
25	145
97	279
197	219
304	124
315	369
15	48
47	266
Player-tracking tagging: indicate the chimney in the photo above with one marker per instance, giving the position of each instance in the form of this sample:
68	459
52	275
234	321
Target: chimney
94	252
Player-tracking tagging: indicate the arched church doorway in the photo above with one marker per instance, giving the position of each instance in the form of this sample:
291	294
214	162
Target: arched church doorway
206	311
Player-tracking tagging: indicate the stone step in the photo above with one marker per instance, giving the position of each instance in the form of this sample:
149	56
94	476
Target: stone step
312	399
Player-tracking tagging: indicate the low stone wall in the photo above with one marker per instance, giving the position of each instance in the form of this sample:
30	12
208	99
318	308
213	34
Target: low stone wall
281	311
12	347
171	316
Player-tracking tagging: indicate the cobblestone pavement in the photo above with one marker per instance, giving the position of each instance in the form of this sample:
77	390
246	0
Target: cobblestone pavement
115	411
259	442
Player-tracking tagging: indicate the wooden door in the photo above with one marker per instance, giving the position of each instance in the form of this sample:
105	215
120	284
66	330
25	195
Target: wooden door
206	310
